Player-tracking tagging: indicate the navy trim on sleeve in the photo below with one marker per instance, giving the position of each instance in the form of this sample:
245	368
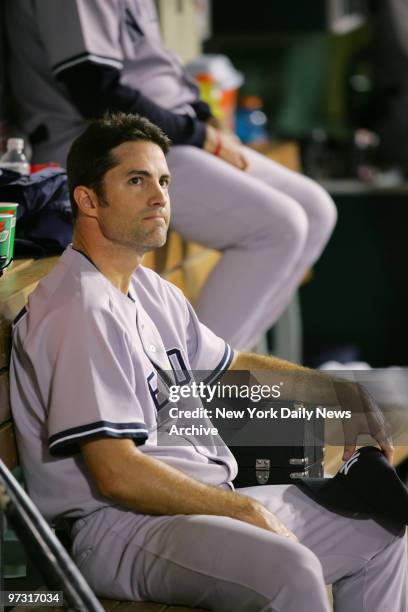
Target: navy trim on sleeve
67	442
223	365
86	57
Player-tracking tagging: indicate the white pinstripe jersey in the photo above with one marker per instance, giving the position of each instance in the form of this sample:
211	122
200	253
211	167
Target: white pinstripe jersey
85	362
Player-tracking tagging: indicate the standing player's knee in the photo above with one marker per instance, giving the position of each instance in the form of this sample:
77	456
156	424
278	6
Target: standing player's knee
328	210
288	225
322	211
321	215
297	224
293	230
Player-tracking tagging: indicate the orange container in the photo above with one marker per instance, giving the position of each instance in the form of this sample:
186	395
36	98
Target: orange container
219	84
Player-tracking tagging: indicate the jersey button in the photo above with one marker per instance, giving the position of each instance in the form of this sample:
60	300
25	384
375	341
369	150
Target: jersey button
152	348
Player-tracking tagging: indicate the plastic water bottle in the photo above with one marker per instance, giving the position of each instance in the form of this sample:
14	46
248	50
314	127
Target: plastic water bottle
14	158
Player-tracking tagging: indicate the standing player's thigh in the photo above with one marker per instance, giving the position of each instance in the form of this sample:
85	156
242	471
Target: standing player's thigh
342	544
213	562
216	204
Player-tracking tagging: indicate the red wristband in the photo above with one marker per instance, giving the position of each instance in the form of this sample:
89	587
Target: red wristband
218	146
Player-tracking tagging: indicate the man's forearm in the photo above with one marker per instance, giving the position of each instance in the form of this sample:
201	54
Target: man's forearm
313	386
168	491
148	485
145	484
299	383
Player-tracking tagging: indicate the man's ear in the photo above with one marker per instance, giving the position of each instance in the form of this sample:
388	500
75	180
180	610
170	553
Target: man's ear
86	201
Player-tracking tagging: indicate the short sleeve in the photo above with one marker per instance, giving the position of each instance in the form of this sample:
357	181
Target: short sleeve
92	391
206	351
74	31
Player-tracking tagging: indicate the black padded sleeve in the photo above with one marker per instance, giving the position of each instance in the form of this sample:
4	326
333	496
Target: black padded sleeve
96	88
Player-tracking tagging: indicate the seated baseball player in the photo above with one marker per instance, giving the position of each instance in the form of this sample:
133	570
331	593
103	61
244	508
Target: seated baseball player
153	521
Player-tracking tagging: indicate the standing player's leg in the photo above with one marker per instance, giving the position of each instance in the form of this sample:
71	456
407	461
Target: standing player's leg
261	231
320	210
365	563
211	562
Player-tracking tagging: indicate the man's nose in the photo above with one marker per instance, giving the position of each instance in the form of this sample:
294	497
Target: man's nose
159	196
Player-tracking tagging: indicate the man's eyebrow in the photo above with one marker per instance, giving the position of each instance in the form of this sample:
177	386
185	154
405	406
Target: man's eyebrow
146	173
143	172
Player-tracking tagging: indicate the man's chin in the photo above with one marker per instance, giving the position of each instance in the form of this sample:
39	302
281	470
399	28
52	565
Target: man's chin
154	243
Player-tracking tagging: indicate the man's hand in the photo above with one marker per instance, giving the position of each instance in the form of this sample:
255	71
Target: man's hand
226	147
260	516
216	123
366	418
316	387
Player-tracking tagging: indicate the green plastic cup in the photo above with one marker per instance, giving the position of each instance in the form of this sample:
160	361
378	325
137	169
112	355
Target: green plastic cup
6	222
11	209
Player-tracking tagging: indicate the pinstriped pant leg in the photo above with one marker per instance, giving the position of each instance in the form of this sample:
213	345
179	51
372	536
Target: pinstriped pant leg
365	563
212	562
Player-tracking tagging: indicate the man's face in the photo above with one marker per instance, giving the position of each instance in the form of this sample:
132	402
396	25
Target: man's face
134	211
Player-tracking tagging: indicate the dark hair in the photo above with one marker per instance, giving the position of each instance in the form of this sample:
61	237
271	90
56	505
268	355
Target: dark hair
90	156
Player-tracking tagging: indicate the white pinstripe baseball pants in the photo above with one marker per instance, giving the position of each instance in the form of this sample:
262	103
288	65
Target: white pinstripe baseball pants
226	565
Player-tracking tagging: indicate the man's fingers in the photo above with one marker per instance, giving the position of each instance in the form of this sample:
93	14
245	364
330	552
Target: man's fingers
388	451
385	443
240	161
245	163
349	449
383	440
366	418
351	431
378	426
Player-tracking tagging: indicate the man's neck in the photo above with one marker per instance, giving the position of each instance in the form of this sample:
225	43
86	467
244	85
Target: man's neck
116	262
